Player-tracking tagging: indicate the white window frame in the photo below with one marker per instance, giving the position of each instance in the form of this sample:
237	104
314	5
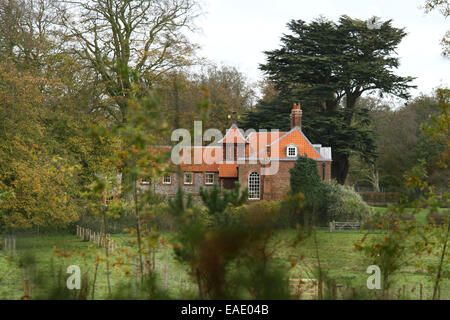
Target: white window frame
210	174
184	178
290	147
167	176
254	191
146	181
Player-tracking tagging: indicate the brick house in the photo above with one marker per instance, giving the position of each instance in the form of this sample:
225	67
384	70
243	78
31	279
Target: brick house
258	160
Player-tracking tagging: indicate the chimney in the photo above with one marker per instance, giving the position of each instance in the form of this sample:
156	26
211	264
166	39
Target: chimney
296	116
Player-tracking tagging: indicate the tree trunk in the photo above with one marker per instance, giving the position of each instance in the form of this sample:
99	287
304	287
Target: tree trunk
339	168
441	262
138	231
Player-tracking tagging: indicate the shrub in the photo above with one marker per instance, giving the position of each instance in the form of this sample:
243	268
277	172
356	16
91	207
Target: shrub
269	210
160	217
341	203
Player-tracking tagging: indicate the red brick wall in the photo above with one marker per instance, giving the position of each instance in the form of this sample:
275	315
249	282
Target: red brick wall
327	169
275	187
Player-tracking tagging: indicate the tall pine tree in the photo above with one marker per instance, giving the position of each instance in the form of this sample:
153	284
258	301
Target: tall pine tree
327	66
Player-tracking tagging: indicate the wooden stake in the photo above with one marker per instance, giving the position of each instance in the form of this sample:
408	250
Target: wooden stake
26	289
334	290
421	291
147	267
165	276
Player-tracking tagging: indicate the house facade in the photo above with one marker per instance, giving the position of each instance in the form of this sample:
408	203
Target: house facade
259	161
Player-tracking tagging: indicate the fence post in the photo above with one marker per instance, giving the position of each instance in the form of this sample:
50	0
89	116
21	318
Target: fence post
147	267
334	290
421	291
26	289
332	226
165	276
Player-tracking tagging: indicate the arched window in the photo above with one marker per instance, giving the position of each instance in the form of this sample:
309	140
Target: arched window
253	186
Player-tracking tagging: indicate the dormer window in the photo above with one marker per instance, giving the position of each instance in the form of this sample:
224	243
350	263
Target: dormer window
291	151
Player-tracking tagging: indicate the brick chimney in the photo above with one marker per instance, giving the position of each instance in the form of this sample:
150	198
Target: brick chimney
296	116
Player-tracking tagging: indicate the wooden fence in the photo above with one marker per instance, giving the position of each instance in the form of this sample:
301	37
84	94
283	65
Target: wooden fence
9	244
374	198
309	289
103	240
348	225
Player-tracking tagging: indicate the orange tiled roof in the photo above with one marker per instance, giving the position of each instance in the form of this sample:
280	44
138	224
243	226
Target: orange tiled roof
294	137
200	167
297	138
210	158
228	170
201	159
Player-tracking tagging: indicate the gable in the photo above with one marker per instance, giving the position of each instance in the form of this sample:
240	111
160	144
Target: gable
233	135
297	138
293	137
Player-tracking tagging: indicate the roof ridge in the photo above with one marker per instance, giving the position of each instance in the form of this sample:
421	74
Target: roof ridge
239	130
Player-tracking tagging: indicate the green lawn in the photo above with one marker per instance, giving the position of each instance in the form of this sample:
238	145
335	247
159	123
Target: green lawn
336	251
421	216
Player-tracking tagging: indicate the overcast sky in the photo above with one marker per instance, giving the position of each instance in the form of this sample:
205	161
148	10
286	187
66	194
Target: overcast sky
236	32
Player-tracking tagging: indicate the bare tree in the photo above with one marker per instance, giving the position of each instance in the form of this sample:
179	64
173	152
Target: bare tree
28	31
126	40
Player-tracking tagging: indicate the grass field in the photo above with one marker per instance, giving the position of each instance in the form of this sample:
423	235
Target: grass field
336	252
420	217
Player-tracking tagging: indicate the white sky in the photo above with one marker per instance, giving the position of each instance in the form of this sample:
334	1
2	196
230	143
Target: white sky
236	32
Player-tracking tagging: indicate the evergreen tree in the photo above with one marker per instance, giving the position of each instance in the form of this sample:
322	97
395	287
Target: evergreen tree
217	201
305	179
328	66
